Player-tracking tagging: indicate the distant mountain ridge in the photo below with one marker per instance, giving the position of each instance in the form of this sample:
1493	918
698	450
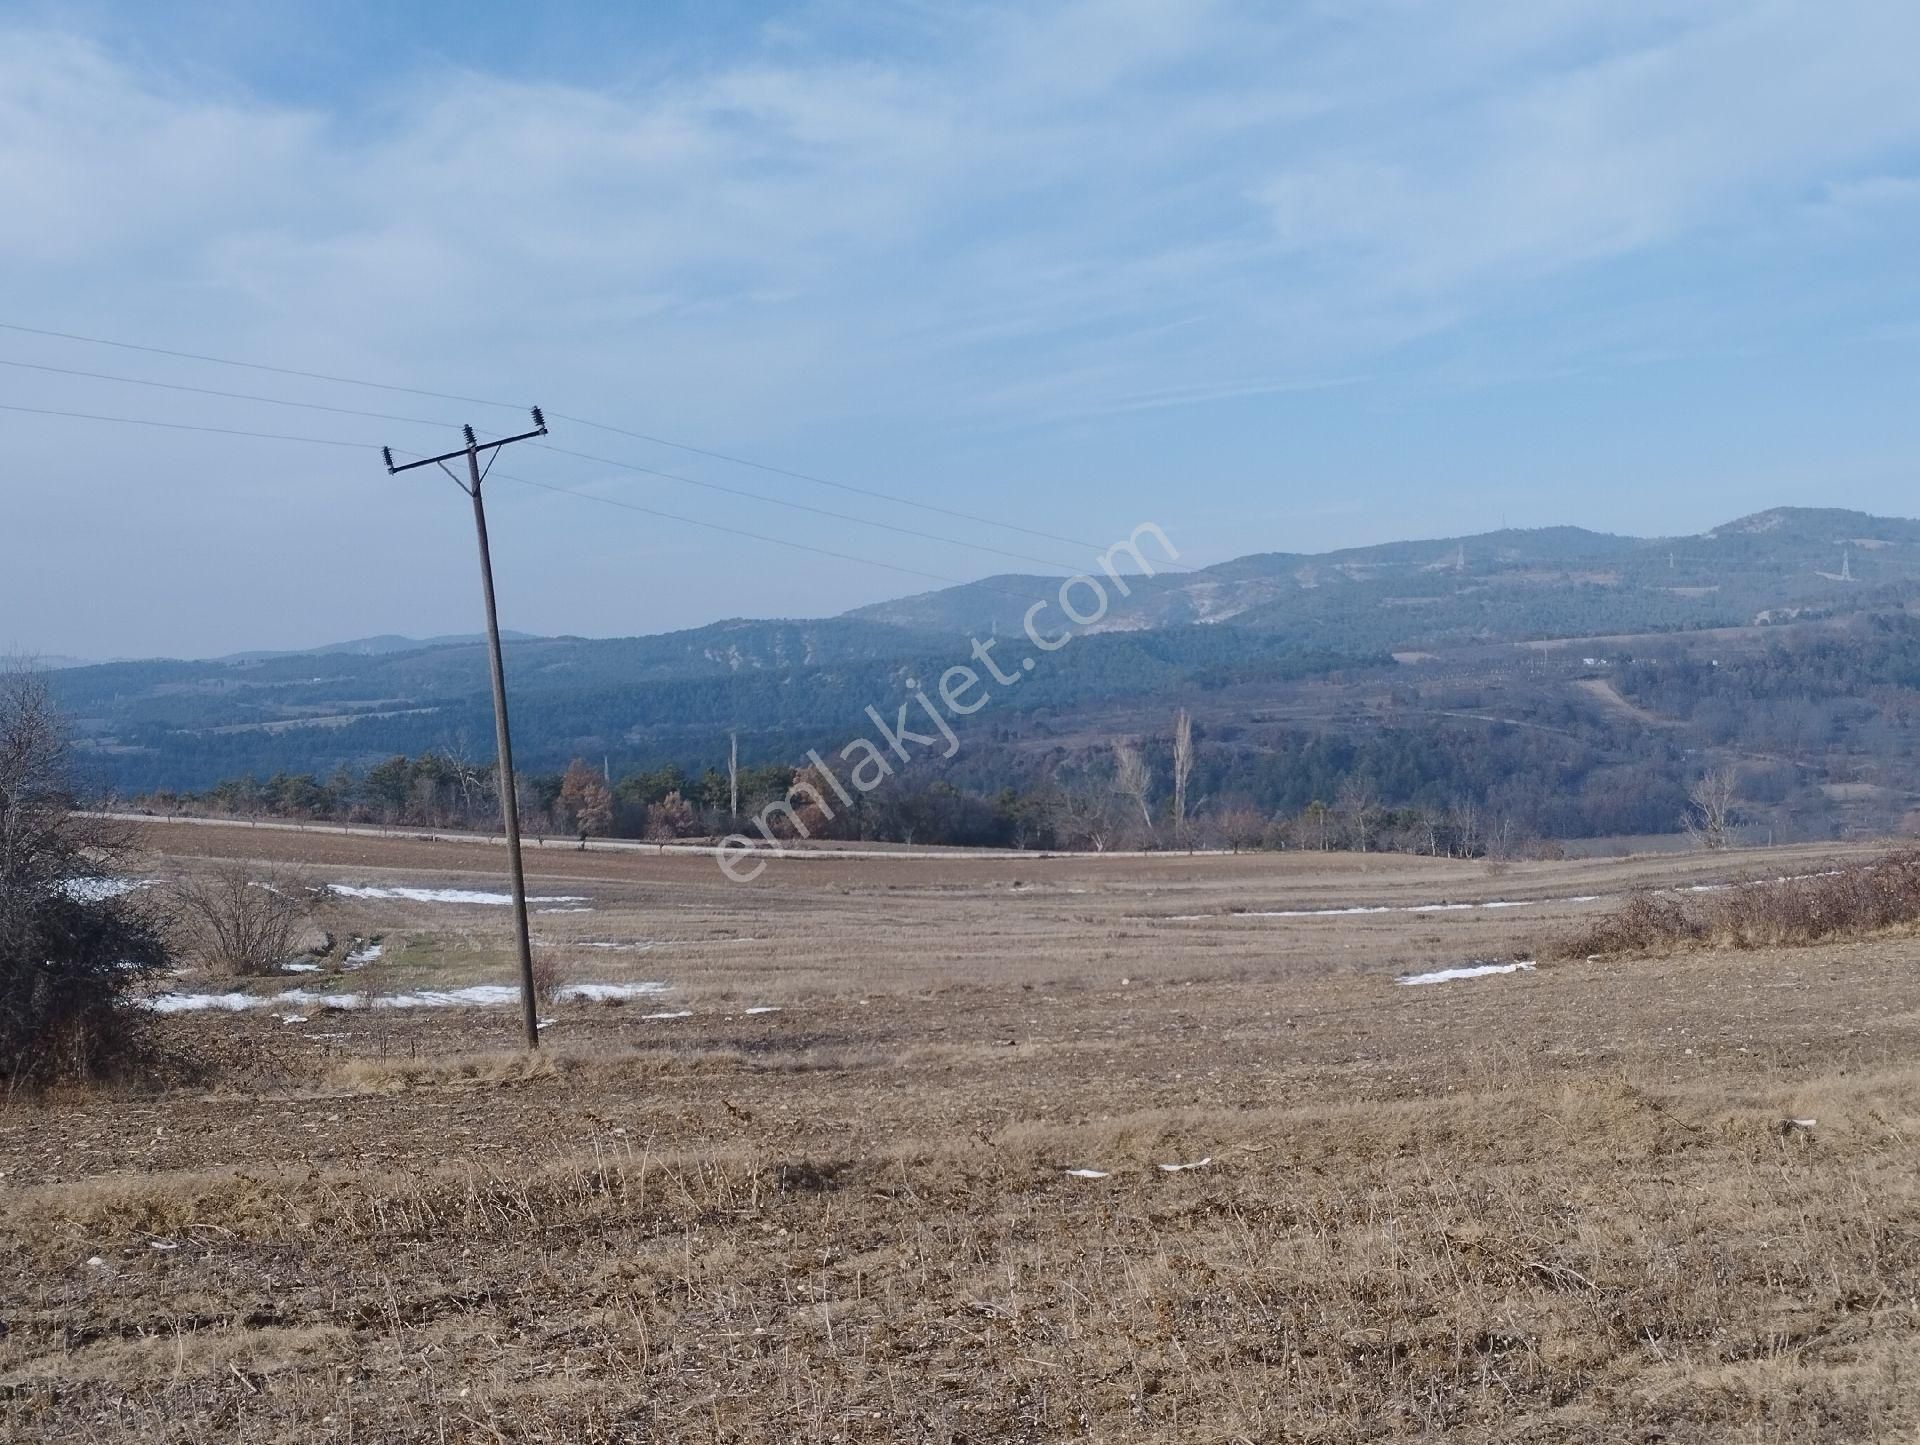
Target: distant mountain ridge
374	646
1239	628
1456	589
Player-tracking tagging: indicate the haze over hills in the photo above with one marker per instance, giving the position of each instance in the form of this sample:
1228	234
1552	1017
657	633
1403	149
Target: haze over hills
1545	582
1394	661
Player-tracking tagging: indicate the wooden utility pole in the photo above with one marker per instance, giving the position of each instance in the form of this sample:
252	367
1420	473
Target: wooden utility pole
733	776
509	799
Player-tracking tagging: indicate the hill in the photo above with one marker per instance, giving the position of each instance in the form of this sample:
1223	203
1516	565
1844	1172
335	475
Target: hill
1514	584
1570	681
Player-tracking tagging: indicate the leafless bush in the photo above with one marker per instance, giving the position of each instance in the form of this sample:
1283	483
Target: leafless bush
238	920
1841	903
74	939
548	978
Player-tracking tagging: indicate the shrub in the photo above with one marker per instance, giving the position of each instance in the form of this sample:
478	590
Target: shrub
73	942
1839	903
237	921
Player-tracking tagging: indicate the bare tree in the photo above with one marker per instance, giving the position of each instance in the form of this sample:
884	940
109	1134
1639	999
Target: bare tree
1133	779
1182	770
1240	826
1712	803
1359	803
1083	818
238	920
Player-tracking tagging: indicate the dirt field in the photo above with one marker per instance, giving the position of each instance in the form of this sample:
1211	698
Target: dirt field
818	1187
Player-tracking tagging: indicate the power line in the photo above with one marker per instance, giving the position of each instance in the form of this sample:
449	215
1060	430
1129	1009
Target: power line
743	532
543	486
875	493
256	366
796	506
229	395
225	431
821	481
563	451
583	456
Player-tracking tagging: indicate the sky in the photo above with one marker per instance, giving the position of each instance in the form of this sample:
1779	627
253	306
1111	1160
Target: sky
1274	277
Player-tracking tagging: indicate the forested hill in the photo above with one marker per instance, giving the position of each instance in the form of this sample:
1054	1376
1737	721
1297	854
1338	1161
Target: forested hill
1275	651
1550	582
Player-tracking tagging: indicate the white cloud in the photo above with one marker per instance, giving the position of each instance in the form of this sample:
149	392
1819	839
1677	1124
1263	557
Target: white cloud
978	222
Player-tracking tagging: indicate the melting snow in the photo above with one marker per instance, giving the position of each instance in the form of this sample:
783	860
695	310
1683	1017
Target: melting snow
600	992
474	996
686	1013
98	890
1382	908
763	1009
1478	970
300	968
1181	1168
1088	1174
442	895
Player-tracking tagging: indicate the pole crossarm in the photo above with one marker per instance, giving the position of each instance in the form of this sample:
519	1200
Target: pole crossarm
473	446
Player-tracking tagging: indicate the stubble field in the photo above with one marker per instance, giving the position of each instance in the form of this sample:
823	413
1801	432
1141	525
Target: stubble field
820	1185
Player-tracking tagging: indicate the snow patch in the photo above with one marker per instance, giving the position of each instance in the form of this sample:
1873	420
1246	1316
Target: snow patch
1377	908
1477	970
443	895
99	890
601	992
483	995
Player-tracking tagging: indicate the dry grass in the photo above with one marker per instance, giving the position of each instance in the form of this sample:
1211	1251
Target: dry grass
1566	1205
1585	1262
1853	901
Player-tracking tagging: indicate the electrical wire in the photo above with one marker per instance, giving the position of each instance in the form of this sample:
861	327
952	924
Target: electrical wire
729	458
820	481
229	395
797	506
754	536
226	431
563	451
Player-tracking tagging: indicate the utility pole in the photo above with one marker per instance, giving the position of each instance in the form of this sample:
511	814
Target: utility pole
509	800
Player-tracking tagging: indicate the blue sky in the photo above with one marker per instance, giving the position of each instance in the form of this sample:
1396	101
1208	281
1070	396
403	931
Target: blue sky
1275	277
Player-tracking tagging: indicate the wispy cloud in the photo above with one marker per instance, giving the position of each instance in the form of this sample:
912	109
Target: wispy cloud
984	220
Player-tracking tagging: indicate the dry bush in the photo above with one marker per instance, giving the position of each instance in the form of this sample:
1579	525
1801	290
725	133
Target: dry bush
548	978
74	939
1840	904
237	920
